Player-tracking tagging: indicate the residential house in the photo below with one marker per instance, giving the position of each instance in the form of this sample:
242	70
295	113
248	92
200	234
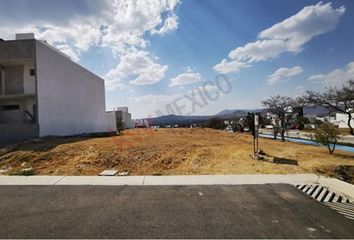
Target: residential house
44	93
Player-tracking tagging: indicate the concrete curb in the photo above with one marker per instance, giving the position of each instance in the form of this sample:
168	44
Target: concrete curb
32	180
331	183
95	180
160	180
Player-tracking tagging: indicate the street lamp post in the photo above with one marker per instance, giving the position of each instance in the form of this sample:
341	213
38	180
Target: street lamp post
255	133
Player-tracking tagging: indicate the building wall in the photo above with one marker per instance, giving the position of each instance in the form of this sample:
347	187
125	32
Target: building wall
17	116
71	100
17	55
16	60
111	122
13	79
16	78
125	117
11	116
14	132
129	123
123	109
29	82
17	50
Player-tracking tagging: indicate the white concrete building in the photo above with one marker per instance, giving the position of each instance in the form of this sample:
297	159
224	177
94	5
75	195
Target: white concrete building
43	92
144	123
123	118
328	119
342	120
273	118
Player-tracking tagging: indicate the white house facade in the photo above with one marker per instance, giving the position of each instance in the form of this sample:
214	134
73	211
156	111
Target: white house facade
43	92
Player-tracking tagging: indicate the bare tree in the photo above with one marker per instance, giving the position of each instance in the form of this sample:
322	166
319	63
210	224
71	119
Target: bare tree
284	109
341	101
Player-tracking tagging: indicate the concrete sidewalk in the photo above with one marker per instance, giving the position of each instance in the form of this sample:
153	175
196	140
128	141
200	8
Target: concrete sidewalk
331	183
160	180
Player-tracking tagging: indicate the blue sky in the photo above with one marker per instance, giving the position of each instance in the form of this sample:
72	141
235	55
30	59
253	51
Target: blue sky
153	53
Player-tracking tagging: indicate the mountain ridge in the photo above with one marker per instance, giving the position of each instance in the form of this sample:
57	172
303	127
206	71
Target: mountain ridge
225	114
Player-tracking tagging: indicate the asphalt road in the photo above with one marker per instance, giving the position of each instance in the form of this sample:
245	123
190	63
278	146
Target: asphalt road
243	211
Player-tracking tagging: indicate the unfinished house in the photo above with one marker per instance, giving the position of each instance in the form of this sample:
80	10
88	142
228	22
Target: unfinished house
123	118
43	92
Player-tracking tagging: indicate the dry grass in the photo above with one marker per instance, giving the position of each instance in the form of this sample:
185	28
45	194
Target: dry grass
168	152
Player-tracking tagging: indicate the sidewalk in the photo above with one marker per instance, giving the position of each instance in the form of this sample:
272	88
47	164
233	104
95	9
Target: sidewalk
331	183
160	180
309	136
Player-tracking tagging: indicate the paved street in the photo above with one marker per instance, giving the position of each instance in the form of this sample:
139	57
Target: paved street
240	211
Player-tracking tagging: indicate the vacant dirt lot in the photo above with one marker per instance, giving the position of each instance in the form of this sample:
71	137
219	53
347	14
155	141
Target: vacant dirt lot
168	152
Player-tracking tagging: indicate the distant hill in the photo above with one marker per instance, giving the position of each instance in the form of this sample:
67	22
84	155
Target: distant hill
226	111
225	114
316	111
187	120
180	120
237	113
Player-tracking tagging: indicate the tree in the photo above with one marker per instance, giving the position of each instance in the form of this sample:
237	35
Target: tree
327	135
263	121
317	122
284	109
216	123
249	122
301	121
341	101
276	128
236	124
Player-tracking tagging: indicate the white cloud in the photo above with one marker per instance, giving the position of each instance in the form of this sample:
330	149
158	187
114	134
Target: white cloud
283	73
67	50
289	35
150	75
137	66
132	19
73	39
336	78
261	50
170	24
230	66
186	78
119	25
311	21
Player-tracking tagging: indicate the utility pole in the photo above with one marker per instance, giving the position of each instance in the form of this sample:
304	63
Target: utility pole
255	133
256	127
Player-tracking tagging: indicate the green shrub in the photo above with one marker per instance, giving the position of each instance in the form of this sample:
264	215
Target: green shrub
216	123
327	135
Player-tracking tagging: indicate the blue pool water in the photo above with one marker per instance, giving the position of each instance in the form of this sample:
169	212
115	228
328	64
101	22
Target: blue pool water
308	142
